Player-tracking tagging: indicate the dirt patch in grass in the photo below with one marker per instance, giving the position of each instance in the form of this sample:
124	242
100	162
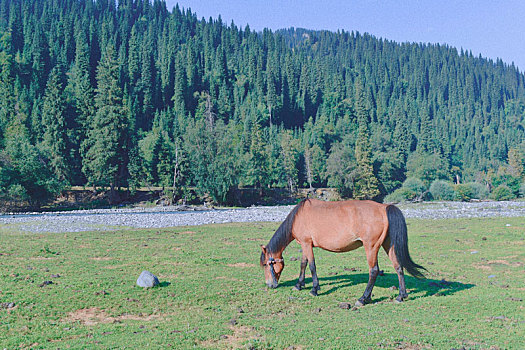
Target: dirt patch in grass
231	279
489	264
114	267
61	339
93	316
239	336
505	262
482	267
257	239
403	345
241	264
102	258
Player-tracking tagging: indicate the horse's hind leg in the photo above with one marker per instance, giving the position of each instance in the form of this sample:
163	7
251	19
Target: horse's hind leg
371	256
400	274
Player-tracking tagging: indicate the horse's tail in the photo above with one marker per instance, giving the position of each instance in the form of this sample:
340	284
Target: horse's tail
399	238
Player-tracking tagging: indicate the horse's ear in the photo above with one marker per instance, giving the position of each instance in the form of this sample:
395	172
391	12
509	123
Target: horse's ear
263	249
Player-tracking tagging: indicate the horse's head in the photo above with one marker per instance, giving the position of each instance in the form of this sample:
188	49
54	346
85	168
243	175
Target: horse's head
273	264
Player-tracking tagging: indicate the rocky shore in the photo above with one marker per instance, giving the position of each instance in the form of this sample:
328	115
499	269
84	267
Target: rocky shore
170	216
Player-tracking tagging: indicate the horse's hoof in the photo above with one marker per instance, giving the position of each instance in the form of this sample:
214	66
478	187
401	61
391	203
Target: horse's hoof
362	302
313	292
296	288
398	300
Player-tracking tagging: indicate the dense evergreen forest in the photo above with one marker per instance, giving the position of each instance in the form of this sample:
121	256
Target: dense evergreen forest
130	93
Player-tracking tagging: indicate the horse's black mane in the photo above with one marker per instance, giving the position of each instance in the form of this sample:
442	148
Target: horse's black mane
283	234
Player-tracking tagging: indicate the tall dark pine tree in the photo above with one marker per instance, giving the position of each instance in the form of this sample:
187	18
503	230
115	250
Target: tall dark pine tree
146	86
54	143
7	98
82	94
258	170
16	29
106	159
366	186
80	81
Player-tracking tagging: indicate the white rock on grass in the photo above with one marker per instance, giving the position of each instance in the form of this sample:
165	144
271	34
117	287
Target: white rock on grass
147	280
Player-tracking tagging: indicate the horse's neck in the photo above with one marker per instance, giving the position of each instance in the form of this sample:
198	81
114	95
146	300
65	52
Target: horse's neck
279	250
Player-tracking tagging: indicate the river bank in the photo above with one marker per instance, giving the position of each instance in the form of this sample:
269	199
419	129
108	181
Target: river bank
171	216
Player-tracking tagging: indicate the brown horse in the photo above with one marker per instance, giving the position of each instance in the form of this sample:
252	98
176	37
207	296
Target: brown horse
341	227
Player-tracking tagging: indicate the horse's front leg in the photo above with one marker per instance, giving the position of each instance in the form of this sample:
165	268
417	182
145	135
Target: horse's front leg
308	257
315	280
367	295
300	282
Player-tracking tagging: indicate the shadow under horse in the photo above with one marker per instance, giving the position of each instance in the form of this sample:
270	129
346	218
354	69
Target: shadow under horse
341	227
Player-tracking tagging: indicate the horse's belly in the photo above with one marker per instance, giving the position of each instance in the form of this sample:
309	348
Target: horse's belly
338	243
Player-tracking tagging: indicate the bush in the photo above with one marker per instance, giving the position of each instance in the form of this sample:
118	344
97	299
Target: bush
415	185
24	173
442	190
522	190
412	189
512	182
464	192
18	193
478	190
502	193
399	195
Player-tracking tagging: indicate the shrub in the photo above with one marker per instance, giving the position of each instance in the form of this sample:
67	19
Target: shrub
412	189
464	192
18	193
502	193
522	190
512	182
415	186
399	195
478	190
442	190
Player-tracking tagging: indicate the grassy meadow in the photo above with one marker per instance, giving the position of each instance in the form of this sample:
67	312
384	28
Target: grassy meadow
77	290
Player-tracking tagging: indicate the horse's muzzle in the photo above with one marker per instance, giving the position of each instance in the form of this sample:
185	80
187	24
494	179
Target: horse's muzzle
272	285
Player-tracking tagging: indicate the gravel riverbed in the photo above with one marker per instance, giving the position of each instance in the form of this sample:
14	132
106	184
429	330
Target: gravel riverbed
158	217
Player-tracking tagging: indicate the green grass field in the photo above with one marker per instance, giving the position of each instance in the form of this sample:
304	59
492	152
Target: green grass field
212	292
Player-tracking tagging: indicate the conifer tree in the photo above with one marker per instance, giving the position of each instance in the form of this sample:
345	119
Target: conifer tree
289	158
366	186
81	94
258	165
81	84
106	158
7	98
54	141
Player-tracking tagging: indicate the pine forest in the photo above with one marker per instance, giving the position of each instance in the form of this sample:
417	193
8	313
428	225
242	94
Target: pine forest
127	94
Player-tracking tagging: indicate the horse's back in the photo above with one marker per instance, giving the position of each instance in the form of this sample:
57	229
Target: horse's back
340	226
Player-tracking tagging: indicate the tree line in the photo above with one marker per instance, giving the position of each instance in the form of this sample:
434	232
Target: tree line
130	94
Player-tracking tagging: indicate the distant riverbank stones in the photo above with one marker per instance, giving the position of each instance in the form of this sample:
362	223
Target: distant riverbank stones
147	280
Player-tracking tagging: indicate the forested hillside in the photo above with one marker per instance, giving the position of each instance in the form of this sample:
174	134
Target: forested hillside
133	94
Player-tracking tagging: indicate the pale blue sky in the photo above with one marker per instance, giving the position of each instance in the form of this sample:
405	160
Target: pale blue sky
493	28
